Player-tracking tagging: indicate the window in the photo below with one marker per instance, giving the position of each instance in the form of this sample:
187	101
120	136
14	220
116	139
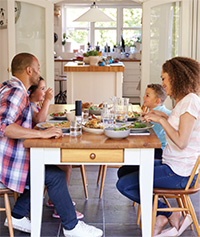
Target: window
127	23
131	24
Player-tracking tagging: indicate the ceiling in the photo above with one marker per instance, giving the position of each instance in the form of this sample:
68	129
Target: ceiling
99	2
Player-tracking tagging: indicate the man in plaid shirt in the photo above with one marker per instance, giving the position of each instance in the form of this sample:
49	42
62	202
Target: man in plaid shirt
15	126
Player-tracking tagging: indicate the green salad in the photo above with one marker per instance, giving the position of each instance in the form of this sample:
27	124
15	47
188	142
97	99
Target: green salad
120	129
138	125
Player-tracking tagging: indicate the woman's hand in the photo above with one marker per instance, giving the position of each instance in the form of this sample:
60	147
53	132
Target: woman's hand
152	117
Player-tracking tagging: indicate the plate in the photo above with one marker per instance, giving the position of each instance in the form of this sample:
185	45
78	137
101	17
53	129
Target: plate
111	133
148	126
41	125
133	118
60	117
95	111
93	130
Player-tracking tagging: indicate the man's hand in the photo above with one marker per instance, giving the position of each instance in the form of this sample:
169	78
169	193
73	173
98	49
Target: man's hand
51	132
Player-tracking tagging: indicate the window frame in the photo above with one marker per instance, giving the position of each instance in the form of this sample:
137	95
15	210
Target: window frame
91	26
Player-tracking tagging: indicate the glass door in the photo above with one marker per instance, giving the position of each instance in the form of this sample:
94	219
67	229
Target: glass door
163	38
32	33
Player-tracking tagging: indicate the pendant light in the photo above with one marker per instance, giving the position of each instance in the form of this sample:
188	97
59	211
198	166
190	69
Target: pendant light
94	15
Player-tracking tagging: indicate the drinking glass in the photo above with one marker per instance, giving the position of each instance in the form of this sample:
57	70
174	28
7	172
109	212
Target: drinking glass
75	129
121	109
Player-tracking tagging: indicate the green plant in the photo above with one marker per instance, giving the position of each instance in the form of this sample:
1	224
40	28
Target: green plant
92	53
130	43
139	40
64	38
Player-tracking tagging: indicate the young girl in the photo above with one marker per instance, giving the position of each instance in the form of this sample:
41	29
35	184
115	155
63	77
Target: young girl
181	80
39	95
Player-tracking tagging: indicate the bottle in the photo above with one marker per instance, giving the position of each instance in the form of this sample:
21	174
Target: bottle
78	111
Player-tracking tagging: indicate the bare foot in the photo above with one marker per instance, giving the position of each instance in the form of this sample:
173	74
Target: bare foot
174	219
161	221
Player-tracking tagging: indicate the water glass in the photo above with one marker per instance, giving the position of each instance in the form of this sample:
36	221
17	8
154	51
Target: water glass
75	129
121	109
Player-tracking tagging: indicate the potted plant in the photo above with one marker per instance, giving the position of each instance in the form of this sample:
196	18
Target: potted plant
138	44
93	57
86	59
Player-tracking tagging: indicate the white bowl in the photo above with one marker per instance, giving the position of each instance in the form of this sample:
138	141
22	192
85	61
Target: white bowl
119	134
70	116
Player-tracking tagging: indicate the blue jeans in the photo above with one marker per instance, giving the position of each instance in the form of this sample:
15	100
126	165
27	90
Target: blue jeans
164	177
55	181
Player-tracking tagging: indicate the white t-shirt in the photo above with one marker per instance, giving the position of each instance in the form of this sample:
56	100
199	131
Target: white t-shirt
182	161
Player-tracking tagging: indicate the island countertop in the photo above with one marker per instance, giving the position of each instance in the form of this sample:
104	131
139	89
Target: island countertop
74	67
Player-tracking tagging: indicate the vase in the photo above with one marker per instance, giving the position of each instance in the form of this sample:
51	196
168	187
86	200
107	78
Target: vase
94	60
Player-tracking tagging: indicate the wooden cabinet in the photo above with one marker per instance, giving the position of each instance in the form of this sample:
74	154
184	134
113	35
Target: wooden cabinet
132	76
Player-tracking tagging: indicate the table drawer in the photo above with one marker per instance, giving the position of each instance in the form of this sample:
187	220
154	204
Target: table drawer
92	155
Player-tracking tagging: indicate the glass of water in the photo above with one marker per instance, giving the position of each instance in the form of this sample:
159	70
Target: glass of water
75	129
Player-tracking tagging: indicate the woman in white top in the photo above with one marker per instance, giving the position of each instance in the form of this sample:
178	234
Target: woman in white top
181	80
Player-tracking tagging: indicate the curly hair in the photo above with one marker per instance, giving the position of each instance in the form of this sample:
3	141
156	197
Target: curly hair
159	91
184	75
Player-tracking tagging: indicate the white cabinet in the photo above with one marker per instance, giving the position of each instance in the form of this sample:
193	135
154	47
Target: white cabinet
132	76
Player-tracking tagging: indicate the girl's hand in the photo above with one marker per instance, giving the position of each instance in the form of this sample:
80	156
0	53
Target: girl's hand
49	94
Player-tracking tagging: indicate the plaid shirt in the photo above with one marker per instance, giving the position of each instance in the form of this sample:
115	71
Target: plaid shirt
14	158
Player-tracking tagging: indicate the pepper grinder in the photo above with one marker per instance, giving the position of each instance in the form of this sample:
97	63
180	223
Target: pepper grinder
78	111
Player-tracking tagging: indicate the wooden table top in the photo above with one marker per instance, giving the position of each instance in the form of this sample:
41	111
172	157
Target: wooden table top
73	67
93	141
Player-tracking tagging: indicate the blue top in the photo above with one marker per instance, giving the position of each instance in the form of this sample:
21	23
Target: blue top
158	128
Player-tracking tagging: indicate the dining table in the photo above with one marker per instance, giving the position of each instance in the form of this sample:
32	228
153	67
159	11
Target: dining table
92	149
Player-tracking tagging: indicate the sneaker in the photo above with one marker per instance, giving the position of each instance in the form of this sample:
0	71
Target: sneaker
78	215
83	230
23	224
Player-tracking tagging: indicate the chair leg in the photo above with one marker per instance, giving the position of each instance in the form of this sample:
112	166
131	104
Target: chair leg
103	180
15	195
186	206
84	179
134	204
138	215
99	174
193	214
154	211
8	214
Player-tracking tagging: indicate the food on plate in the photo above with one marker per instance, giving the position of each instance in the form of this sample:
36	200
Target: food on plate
86	105
137	125
58	114
132	114
120	129
62	124
94	123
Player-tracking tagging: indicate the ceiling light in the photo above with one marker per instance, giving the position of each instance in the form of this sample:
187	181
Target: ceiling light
94	15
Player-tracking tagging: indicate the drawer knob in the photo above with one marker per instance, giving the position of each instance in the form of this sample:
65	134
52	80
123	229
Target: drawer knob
92	156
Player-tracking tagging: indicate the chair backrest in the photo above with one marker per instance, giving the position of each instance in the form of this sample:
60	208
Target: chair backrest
196	166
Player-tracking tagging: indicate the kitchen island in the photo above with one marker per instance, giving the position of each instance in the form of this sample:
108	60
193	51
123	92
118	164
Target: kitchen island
93	83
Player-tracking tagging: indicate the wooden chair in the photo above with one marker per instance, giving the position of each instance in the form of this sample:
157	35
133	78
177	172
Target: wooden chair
5	192
102	175
84	178
182	197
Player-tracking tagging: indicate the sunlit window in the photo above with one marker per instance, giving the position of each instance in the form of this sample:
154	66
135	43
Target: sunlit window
127	22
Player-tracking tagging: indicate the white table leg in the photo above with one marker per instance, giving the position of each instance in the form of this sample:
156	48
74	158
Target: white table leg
37	189
146	189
